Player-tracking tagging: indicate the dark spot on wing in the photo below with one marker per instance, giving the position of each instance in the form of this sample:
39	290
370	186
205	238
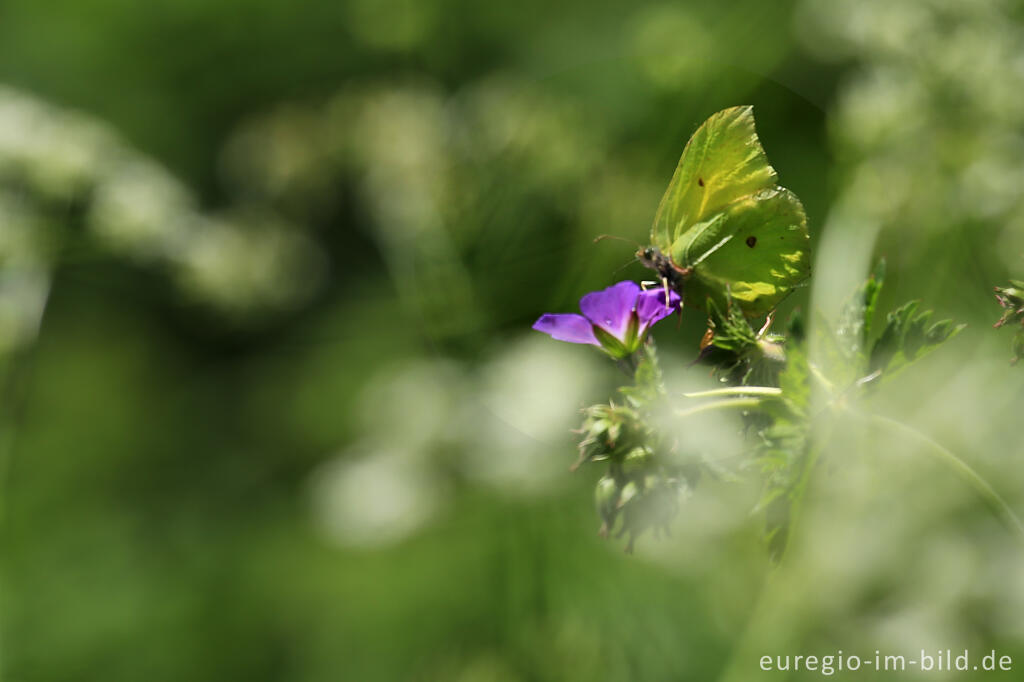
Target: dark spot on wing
700	181
751	240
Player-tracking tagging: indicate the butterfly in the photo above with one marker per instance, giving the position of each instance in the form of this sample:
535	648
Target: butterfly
724	229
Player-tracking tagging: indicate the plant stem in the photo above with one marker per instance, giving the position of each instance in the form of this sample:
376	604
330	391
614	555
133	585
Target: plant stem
735	404
821	378
736	390
994	501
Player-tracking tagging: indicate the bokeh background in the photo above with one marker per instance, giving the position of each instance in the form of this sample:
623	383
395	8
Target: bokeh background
271	407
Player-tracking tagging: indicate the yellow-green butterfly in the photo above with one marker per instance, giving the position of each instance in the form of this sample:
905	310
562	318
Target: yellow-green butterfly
724	225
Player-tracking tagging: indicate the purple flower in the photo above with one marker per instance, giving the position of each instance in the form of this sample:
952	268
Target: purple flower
617	318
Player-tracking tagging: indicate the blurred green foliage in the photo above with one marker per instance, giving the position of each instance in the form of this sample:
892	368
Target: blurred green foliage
272	409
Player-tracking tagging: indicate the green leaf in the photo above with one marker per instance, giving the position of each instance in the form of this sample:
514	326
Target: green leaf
843	346
854	326
908	336
723	223
730	330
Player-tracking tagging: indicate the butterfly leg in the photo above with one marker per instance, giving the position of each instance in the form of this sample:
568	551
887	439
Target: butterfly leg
648	283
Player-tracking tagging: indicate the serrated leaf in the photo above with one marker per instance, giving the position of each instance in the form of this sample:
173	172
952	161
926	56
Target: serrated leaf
842	348
854	326
730	329
908	336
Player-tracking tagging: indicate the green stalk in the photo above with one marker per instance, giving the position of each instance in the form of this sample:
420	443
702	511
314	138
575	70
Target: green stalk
963	470
737	391
735	404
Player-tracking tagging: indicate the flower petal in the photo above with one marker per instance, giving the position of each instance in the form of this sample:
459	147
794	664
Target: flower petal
611	308
567	327
650	306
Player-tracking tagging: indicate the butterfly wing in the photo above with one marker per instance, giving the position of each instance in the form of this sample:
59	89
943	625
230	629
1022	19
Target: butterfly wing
721	163
756	248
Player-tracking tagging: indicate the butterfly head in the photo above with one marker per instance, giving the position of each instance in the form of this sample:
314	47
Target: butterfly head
652	257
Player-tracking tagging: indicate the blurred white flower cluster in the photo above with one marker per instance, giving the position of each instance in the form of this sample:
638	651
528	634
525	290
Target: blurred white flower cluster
55	163
928	128
428	425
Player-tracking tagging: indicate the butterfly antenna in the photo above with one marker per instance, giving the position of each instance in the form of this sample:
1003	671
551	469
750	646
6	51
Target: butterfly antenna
625	265
602	237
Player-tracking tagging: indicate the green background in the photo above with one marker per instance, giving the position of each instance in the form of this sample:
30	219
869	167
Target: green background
350	461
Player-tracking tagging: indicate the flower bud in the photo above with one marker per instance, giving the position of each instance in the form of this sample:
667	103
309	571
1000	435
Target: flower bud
609	432
637	462
1012	299
651	502
606	499
629	492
